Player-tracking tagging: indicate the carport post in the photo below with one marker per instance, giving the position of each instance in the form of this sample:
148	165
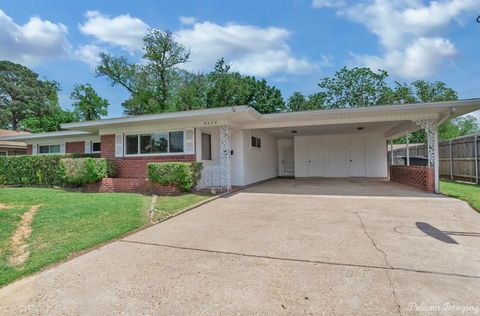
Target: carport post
391	152
437	161
408	149
431	130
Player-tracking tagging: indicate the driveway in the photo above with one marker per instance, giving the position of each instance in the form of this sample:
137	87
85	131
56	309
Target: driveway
284	246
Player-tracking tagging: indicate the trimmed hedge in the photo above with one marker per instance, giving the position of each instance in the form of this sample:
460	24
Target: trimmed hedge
183	175
47	170
80	171
31	170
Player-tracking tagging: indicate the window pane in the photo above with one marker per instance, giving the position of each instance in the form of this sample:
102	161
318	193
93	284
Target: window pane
55	149
254	141
3	153
43	149
176	142
259	143
206	146
160	143
96	147
145	144
132	144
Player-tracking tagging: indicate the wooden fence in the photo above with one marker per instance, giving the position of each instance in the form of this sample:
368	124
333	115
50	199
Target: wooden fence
459	157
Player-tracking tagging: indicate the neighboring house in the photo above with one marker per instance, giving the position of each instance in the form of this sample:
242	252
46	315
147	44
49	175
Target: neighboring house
12	148
238	146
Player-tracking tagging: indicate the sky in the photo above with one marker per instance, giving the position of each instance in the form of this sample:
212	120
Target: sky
291	43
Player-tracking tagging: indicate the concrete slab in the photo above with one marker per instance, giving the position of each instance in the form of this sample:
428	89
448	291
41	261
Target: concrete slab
281	247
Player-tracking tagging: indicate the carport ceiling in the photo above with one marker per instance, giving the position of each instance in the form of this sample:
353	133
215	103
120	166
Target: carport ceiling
335	129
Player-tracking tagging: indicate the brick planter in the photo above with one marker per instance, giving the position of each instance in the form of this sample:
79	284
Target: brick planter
419	177
130	185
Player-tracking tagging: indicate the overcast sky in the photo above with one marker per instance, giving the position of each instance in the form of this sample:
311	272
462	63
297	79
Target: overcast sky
291	43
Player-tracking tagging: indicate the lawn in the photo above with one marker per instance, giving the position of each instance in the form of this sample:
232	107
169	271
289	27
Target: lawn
463	191
66	223
167	206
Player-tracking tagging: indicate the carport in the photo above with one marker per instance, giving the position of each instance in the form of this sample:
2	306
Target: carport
352	142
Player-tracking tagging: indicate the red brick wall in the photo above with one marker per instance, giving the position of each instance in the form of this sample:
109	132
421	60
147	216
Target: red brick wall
29	149
75	147
135	167
130	185
418	177
107	148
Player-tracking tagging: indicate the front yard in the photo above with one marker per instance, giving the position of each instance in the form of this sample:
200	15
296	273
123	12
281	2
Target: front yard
463	191
39	227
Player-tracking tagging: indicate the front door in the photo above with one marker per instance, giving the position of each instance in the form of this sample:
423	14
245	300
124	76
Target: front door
357	159
286	160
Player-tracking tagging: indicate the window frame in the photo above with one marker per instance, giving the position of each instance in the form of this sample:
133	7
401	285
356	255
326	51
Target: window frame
91	147
49	145
258	142
5	152
139	154
201	145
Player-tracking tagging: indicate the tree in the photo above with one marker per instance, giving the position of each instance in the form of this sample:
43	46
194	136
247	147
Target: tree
164	54
49	123
356	87
23	95
88	105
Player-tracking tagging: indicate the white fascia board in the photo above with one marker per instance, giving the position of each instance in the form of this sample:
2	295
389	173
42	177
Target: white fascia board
165	116
45	135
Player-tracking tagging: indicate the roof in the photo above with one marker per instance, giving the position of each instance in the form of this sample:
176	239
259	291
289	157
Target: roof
9	133
246	117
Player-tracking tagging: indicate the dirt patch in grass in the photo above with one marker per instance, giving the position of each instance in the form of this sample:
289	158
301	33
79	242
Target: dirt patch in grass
3	206
18	241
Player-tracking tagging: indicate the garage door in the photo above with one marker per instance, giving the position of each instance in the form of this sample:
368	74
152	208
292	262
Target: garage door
336	159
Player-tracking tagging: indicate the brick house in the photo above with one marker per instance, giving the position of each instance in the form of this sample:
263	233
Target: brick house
239	146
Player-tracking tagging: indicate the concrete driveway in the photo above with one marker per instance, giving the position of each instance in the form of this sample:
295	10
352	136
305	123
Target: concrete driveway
284	246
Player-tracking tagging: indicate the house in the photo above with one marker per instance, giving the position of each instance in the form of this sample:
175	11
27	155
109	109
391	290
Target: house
12	148
239	146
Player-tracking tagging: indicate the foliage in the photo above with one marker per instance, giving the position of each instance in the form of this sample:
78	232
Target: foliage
23	95
48	170
463	191
88	104
48	123
298	102
80	171
183	175
66	223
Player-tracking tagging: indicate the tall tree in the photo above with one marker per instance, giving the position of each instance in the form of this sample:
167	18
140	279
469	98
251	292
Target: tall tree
298	102
88	104
23	95
48	123
164	55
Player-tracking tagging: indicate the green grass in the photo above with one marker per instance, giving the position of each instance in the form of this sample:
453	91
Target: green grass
169	205
66	223
463	191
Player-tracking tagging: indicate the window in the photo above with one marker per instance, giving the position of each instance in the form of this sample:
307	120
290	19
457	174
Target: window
49	149
96	147
206	146
256	142
3	153
156	143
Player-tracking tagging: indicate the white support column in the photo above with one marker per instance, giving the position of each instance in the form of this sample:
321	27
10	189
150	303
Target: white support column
431	131
392	158
225	162
408	149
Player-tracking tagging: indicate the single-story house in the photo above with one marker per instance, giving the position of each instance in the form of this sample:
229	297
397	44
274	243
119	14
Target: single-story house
239	146
12	148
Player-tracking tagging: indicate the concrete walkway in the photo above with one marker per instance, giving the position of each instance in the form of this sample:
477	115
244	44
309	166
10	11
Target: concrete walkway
282	247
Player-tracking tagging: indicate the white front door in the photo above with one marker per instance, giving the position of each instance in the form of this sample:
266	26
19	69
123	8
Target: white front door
316	160
286	161
357	159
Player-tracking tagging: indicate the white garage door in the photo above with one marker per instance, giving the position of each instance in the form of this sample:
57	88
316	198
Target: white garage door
336	159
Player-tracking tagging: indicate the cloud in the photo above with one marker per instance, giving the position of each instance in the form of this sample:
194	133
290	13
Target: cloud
319	4
89	54
123	30
36	41
250	49
188	20
410	32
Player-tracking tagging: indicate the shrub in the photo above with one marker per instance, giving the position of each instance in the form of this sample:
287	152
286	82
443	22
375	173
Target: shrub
80	171
31	170
183	175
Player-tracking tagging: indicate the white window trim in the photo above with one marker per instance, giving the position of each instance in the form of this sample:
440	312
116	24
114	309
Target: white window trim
91	146
52	144
201	144
180	153
255	147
